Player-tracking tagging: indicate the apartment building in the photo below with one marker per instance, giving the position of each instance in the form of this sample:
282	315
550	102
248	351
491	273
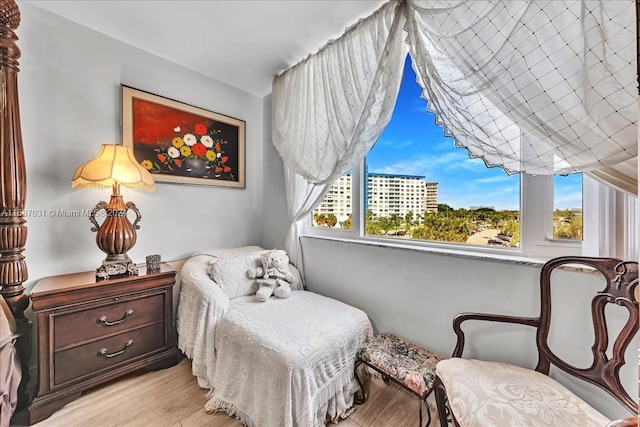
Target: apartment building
387	194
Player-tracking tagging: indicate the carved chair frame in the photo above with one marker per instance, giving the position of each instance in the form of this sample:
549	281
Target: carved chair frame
621	282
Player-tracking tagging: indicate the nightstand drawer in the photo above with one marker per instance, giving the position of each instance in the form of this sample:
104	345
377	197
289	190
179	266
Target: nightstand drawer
80	326
104	354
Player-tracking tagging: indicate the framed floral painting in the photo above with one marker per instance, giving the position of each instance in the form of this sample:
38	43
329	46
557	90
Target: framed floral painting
181	143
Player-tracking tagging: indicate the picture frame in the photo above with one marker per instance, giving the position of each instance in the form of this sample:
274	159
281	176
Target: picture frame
183	144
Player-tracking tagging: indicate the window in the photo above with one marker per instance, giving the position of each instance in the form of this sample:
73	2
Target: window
567	207
457	199
416	188
335	209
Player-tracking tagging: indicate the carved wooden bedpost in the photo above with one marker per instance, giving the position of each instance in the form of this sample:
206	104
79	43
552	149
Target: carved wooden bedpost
13	184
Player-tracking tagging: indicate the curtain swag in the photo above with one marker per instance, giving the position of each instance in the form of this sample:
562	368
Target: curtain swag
531	86
329	110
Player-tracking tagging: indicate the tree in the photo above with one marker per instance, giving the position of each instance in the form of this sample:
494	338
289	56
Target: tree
369	215
385	224
485	210
443	229
371	225
511	228
462	213
347	224
443	207
331	220
567	225
408	219
395	220
495	220
372	228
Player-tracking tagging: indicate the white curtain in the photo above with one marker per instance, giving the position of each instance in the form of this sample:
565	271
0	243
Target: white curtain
542	87
612	217
329	110
302	198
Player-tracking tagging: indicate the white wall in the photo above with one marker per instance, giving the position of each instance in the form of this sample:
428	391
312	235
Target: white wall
69	88
416	295
275	219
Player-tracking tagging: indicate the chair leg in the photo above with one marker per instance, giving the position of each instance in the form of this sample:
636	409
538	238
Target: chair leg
426	405
356	399
385	379
441	397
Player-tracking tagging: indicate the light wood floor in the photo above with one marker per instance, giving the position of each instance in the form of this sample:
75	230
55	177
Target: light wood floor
172	398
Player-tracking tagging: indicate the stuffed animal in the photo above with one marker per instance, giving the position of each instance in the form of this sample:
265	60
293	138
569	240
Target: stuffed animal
274	277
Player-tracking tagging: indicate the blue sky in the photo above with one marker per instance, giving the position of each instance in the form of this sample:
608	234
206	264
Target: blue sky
412	144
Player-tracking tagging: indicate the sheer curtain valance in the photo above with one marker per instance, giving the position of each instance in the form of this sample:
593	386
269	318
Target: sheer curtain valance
329	109
541	87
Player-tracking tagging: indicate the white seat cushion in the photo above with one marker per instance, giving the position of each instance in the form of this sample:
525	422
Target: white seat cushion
484	393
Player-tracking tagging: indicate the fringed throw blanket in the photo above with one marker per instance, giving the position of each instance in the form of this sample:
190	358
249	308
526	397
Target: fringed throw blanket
287	362
284	363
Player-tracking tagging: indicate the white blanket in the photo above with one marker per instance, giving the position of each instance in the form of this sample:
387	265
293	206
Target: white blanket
283	363
287	362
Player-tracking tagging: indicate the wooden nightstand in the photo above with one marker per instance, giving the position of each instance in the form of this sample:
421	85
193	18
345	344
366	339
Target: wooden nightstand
90	332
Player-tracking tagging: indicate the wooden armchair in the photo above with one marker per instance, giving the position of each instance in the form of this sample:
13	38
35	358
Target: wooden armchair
483	393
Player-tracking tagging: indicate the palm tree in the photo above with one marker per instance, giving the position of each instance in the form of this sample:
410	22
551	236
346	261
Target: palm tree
408	218
331	220
347	224
395	220
385	224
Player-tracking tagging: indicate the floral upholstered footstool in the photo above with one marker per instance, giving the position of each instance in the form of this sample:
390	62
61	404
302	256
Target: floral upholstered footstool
409	365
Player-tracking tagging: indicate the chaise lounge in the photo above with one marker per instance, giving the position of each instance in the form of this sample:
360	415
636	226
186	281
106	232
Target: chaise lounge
283	362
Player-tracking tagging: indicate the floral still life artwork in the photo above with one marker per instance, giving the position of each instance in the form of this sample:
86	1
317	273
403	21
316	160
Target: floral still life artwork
183	144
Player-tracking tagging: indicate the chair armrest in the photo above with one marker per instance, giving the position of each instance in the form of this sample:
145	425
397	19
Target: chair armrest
457	323
195	279
299	281
201	304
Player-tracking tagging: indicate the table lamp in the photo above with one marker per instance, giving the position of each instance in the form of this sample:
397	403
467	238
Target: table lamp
115	165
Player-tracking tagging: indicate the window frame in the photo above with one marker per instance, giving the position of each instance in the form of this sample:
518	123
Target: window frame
610	224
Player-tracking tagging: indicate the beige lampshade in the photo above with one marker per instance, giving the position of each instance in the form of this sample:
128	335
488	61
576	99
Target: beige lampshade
115	164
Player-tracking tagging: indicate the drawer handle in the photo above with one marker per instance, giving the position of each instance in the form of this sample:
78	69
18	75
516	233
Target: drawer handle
105	353
105	322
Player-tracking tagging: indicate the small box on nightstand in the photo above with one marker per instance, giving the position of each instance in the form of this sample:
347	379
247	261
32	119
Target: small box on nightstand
153	263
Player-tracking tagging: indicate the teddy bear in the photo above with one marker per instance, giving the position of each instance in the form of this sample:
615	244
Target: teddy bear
274	277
